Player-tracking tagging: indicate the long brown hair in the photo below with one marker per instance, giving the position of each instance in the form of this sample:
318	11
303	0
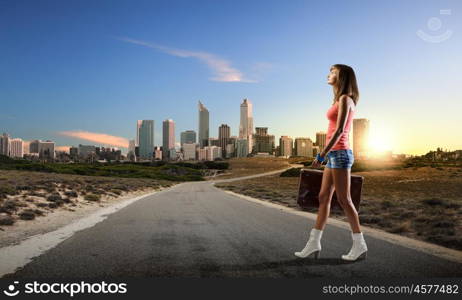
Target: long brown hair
346	83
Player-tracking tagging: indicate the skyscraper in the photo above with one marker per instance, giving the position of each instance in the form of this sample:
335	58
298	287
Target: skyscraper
285	146
188	137
213	152
246	123
213	142
264	143
131	150
138	126
26	145
158	153
168	137
131	146
224	132
189	151
47	150
241	148
146	138
17	148
5	144
321	140
34	146
203	125
360	137
86	150
303	147
74	152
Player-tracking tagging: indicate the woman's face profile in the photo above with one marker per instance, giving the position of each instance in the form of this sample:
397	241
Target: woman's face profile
332	77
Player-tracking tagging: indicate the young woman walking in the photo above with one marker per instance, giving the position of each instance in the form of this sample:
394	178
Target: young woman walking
337	172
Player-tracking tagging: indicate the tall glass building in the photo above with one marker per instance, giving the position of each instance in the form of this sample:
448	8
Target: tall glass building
146	138
203	125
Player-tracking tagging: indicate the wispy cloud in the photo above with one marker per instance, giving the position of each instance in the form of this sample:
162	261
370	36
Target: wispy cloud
222	69
63	148
99	138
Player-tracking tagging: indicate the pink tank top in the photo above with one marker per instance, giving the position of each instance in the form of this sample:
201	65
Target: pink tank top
343	142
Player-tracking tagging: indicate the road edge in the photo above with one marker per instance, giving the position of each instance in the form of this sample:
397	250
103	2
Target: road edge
18	255
428	248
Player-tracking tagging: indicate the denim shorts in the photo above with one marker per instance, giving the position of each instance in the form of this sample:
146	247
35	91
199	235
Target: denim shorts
342	158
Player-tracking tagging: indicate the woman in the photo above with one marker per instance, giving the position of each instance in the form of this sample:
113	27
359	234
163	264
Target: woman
336	175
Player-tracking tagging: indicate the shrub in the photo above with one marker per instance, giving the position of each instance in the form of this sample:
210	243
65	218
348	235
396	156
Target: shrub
385	222
38	212
9	206
369	219
27	214
37	194
92	197
116	191
442	231
6	220
433	201
444	224
54	197
387	204
23	187
71	194
403	227
122	188
99	191
292	172
7	189
191	165
216	165
408	214
452	205
447	241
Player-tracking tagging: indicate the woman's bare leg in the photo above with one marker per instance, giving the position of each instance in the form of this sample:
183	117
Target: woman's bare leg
342	183
325	196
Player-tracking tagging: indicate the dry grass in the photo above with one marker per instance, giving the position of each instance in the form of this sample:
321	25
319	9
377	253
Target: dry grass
423	203
253	165
26	195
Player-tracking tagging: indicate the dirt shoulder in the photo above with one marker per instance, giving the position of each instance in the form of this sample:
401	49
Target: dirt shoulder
34	203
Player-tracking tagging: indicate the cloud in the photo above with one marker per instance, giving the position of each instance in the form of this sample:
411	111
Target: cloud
222	69
62	148
99	138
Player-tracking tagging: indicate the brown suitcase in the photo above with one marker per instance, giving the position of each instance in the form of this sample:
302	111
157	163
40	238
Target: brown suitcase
310	185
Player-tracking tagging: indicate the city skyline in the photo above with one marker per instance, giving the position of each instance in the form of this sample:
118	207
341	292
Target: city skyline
374	147
88	76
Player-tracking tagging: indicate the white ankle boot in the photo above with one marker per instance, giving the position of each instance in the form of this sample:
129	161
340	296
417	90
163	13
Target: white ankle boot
313	246
359	248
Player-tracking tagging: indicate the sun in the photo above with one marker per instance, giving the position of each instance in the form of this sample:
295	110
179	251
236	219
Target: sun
380	140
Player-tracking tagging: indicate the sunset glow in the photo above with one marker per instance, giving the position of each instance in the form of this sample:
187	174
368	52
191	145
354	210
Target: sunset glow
380	140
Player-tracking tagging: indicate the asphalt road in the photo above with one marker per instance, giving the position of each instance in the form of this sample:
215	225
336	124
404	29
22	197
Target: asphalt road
197	230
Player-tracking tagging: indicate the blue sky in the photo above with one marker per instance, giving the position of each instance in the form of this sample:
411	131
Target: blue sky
98	66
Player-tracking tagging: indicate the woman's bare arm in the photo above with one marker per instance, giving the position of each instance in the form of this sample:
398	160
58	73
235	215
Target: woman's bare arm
343	111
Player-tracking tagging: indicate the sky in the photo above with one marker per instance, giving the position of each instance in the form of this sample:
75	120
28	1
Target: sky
83	72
